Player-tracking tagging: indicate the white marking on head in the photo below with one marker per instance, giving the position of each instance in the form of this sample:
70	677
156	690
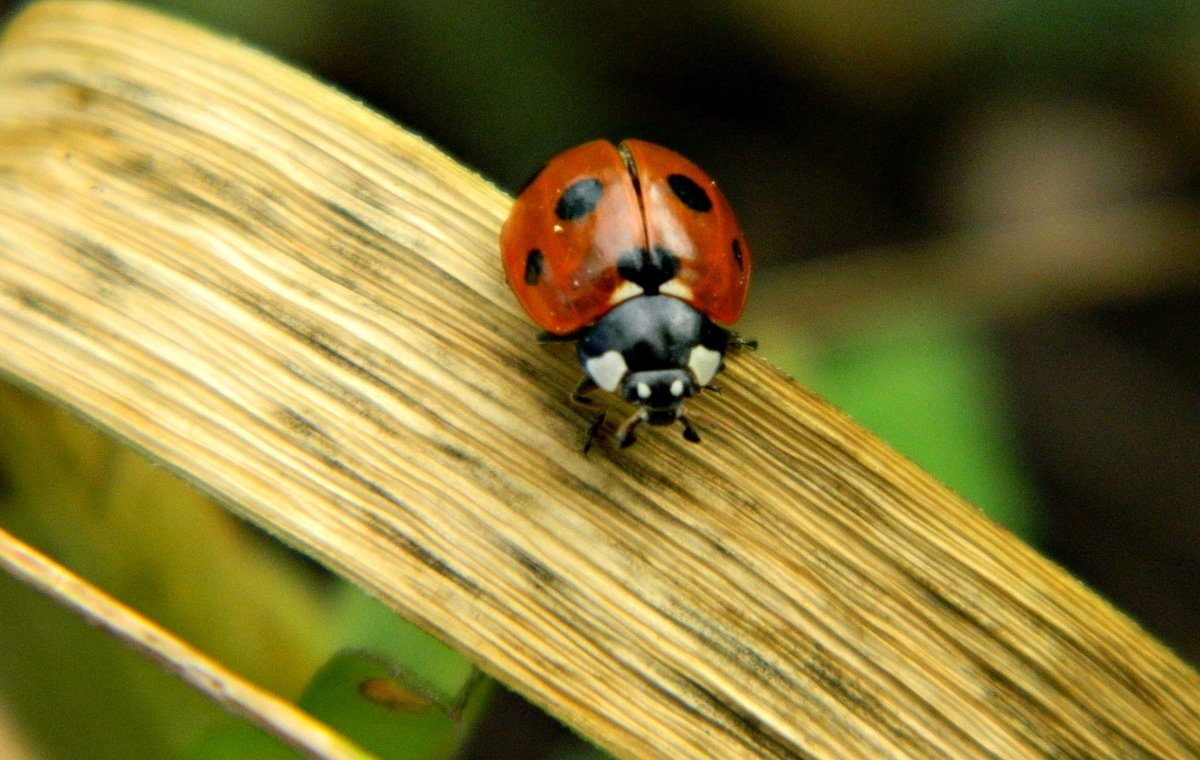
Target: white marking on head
704	363
677	387
607	369
625	291
676	288
643	390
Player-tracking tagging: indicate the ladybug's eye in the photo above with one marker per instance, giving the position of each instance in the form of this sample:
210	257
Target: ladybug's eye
579	199
689	193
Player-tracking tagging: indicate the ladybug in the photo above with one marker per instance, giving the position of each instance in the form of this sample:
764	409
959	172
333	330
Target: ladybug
633	252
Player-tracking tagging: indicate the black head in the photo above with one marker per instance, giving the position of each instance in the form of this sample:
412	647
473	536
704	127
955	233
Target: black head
656	351
660	392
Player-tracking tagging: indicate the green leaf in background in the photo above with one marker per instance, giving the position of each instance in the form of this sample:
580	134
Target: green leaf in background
933	389
418	704
426	664
393	689
384	710
367	700
158	545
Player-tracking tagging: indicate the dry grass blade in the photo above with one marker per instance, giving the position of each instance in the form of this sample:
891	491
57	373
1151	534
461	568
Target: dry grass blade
278	716
300	307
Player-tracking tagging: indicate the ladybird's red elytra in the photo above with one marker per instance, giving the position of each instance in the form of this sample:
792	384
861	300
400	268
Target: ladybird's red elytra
633	251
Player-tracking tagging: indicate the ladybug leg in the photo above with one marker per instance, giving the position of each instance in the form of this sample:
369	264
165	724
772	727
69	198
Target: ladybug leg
580	395
625	436
689	432
593	431
549	337
737	342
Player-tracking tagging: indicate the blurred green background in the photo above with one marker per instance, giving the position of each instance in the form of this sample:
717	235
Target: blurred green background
975	229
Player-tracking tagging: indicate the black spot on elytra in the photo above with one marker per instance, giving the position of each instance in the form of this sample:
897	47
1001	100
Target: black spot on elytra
737	254
648	268
579	199
533	266
689	193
